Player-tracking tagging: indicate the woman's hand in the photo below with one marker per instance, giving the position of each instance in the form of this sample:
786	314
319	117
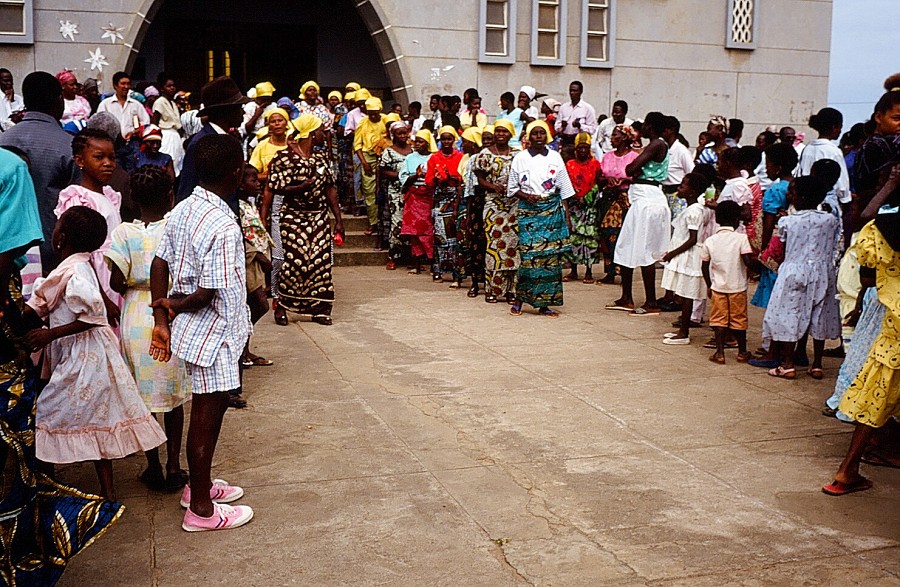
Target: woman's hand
339	227
38	339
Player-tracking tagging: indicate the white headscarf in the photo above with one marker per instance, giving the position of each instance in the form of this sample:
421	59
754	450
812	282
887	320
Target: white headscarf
528	91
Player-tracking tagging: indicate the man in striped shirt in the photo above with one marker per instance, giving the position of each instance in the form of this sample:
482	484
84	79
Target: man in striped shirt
202	252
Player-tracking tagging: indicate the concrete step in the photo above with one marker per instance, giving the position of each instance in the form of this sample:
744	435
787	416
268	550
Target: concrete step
357	239
355	223
358	256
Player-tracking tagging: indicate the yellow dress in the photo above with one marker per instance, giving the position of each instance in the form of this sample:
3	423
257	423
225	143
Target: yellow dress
874	396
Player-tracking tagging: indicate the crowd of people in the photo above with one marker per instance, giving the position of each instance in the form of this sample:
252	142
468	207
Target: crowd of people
144	233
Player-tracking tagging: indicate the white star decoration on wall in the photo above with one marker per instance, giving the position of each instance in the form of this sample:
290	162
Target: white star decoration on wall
112	32
68	30
97	60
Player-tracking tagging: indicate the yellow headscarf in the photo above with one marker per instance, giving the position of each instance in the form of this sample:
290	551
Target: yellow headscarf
448	129
308	85
429	138
373	104
264	89
336	94
392	117
362	94
507	124
473	135
353	86
582	138
537	124
306	124
281	111
487	130
350	96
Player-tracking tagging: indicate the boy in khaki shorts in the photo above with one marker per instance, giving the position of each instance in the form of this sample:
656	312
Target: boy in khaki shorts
726	256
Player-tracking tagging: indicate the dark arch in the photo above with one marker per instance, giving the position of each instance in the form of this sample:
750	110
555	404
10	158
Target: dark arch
370	12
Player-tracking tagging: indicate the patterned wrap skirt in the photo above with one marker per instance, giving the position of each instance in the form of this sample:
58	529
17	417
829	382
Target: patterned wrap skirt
304	282
543	243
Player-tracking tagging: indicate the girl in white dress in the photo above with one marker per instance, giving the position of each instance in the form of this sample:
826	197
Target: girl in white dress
91	409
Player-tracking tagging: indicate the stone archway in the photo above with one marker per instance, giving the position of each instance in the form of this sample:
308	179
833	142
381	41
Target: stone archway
370	12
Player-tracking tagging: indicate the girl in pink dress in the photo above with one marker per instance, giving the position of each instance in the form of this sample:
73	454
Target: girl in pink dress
95	155
91	409
614	204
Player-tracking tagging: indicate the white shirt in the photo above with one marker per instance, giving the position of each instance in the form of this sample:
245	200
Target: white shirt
126	113
417	124
7	108
540	174
723	250
602	144
825	149
583	112
681	162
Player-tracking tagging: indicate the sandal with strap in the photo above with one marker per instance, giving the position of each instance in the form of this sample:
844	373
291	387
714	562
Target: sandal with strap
783	373
473	292
548	313
490	299
515	310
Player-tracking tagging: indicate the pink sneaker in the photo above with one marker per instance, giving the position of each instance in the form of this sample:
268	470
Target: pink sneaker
223	518
220	492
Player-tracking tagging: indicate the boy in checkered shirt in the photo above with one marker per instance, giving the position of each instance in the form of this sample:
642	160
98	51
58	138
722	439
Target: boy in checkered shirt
205	320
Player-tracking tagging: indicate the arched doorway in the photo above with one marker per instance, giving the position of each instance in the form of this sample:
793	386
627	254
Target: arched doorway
287	43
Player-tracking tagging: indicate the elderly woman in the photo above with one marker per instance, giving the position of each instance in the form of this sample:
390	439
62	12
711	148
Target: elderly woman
301	176
278	125
614	184
499	219
392	159
538	178
443	177
418	200
77	107
584	172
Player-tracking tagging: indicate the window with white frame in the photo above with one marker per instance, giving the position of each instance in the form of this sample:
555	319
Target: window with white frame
497	31
742	18
16	21
598	26
548	32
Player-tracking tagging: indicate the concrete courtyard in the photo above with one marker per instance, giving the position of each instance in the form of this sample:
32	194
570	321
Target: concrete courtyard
430	439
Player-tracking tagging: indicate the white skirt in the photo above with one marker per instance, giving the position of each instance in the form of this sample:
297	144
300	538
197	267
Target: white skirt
173	147
644	238
691	287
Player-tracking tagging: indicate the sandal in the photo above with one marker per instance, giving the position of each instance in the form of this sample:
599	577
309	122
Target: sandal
246	363
876	460
515	310
618	305
390	266
473	292
717	358
369	231
548	313
176	480
642	311
281	318
816	373
510	298
829	413
490	299
744	357
838	488
323	320
783	373
258	361
437	278
588	281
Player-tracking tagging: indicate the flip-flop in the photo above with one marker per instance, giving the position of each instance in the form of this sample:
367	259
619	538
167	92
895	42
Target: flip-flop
743	357
261	362
588	280
838	488
816	373
717	359
783	373
548	313
642	311
515	310
676	341
621	308
876	460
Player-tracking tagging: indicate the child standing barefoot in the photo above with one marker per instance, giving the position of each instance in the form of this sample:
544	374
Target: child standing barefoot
803	299
91	409
683	274
164	387
726	256
202	251
95	155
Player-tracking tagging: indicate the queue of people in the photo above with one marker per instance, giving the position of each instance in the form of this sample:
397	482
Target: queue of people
159	227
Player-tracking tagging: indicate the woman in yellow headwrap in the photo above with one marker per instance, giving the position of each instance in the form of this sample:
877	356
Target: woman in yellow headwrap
442	175
278	123
310	104
469	221
499	219
584	171
418	200
539	180
303	237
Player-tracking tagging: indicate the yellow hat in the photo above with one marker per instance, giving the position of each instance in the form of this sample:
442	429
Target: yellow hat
426	135
373	104
281	111
305	124
353	86
264	89
582	138
362	95
537	124
487	130
308	85
350	96
448	129
473	135
507	124
392	117
336	94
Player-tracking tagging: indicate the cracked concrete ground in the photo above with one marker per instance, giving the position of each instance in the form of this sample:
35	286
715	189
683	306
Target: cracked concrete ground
430	439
